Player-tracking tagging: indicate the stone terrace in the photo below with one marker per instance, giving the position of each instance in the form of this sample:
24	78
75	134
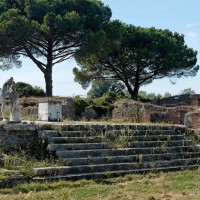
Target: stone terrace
98	150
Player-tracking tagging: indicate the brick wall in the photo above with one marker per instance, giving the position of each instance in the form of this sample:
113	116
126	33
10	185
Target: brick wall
180	100
129	110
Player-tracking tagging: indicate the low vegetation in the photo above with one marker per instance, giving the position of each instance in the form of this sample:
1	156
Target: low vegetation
182	185
27	90
101	105
22	163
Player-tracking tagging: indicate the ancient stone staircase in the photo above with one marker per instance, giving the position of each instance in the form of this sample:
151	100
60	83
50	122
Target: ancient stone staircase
112	150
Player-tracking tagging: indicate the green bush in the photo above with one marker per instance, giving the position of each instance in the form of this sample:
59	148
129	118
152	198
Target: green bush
38	92
24	89
80	105
101	105
27	90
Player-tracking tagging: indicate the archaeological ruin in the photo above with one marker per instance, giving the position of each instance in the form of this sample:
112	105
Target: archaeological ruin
138	138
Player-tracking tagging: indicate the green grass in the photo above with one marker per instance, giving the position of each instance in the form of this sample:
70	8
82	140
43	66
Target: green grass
182	185
22	162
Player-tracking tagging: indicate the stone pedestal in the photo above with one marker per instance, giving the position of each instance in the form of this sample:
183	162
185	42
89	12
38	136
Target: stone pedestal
49	110
15	116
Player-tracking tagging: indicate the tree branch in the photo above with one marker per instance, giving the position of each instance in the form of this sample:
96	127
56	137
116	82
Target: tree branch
40	65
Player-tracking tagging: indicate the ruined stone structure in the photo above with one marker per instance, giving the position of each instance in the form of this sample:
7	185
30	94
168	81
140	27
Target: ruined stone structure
29	107
68	108
192	119
180	100
129	110
186	106
171	110
91	150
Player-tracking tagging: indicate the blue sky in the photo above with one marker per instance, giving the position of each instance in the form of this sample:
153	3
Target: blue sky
178	16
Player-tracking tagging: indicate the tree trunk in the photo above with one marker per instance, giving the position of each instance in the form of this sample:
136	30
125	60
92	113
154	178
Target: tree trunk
48	81
48	72
45	68
133	92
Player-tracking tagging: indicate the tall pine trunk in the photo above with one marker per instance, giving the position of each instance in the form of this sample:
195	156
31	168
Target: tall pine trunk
134	92
48	72
48	81
45	68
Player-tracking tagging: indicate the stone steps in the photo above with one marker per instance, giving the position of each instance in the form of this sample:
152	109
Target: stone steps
120	144
60	171
128	158
112	150
77	146
115	133
89	139
100	175
122	151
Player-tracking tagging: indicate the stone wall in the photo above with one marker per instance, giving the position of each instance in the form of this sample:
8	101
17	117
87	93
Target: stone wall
192	119
29	107
29	112
68	108
180	100
18	136
180	113
129	110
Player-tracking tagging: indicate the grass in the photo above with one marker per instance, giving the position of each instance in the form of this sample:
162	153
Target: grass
22	163
181	185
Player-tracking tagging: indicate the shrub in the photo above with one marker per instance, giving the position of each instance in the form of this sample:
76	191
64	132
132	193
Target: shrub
27	90
38	91
101	105
80	105
24	89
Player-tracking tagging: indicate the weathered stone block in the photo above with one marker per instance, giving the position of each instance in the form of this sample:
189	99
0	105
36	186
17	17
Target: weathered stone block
49	110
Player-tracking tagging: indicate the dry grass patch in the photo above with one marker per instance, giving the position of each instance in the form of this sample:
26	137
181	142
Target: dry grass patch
182	185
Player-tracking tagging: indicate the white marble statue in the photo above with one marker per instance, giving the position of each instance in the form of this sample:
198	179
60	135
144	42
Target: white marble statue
9	90
14	103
